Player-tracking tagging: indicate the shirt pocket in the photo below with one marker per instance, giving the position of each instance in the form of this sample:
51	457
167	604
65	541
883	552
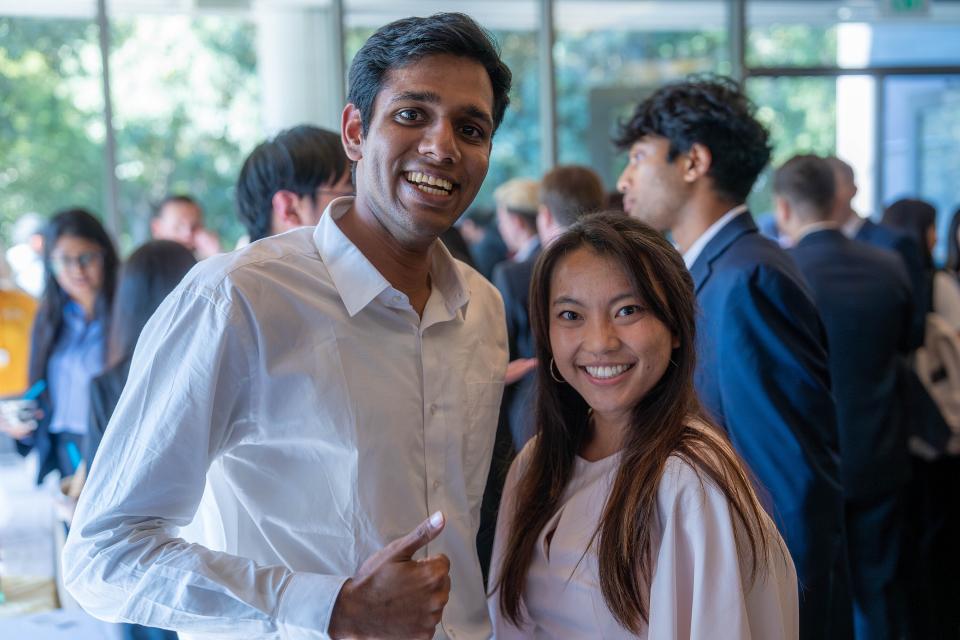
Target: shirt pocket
482	410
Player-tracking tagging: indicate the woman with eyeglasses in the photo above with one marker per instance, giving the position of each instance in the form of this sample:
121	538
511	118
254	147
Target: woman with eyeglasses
629	514
69	335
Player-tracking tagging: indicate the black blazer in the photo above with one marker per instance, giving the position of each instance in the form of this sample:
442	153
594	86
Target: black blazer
920	276
105	392
864	297
512	279
762	374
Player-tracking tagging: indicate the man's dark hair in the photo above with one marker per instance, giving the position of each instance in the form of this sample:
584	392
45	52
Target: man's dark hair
177	198
301	160
712	111
570	192
405	41
808	183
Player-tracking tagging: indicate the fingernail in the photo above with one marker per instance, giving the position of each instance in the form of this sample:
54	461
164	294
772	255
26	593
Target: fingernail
436	520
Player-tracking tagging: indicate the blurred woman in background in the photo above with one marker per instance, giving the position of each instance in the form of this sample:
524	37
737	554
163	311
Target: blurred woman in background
68	343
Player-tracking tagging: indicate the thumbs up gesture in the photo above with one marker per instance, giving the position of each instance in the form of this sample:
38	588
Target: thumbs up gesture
392	595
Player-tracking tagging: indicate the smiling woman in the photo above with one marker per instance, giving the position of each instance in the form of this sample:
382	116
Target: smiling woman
628	492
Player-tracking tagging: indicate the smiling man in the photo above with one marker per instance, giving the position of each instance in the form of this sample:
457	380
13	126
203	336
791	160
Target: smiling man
326	398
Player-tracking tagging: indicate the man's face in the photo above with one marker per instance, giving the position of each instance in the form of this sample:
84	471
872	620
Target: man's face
653	188
427	148
179	222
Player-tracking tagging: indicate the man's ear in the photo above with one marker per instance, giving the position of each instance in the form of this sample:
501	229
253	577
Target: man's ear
697	162
284	215
351	128
544	214
783	214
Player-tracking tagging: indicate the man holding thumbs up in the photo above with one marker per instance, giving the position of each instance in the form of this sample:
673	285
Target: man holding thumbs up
318	409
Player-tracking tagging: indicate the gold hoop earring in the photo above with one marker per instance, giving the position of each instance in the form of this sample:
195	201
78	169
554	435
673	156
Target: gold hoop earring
556	376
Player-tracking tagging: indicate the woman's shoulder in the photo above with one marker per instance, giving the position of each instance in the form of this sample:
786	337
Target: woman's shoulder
685	476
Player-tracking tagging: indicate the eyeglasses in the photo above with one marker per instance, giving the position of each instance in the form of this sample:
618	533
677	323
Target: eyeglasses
336	193
61	262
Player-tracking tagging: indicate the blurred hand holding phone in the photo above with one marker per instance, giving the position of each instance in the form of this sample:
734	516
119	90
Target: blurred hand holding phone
18	416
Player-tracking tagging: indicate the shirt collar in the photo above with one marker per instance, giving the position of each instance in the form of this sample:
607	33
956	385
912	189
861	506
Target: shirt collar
853	225
359	283
691	255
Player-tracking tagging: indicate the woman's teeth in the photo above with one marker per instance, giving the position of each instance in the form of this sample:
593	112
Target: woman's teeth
607	372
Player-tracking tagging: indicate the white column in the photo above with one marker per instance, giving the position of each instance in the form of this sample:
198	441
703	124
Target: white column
856	113
299	55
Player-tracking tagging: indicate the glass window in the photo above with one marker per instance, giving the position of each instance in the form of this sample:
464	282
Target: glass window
850	33
51	117
921	145
516	145
186	111
821	115
609	55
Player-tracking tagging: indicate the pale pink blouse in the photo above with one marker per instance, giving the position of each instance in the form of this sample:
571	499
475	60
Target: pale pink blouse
700	585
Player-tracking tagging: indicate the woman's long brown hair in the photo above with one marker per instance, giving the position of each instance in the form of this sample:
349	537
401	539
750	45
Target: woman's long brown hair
661	427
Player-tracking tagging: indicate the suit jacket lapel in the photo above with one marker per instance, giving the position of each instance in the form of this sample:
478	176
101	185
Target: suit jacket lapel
702	267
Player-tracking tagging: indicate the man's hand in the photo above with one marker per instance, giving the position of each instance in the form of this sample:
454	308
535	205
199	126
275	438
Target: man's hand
394	596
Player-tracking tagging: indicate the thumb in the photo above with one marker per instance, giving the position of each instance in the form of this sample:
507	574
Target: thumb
404	548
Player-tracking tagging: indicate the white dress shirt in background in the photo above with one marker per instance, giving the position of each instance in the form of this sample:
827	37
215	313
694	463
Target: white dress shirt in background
699	587
326	419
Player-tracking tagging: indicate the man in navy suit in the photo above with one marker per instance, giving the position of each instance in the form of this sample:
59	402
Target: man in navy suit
878	235
695	151
864	297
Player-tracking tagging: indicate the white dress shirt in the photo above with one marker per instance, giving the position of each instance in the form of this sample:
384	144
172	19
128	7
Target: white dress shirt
691	254
325	418
700	585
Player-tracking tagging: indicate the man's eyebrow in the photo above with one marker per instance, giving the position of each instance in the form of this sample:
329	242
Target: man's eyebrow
431	97
416	96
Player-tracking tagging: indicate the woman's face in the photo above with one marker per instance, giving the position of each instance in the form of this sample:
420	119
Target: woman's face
78	267
605	342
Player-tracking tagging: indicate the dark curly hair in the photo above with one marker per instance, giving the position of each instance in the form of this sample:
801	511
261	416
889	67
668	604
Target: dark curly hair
712	111
410	39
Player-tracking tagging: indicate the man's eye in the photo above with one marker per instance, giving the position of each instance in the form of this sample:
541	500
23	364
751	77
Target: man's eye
472	131
409	114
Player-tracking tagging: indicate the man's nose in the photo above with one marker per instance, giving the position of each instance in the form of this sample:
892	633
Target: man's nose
440	142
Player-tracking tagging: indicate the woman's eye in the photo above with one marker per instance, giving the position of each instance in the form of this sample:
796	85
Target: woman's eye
568	315
628	310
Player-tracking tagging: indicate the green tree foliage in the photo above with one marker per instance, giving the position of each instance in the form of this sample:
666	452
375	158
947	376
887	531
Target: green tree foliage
51	152
185	100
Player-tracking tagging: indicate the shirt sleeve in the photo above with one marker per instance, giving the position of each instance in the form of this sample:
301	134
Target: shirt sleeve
190	393
503	629
699	583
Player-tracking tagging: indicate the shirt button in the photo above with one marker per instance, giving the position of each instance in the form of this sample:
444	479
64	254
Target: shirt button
436	485
433	409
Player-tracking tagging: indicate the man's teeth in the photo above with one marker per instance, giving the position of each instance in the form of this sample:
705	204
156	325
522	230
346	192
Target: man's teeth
607	372
422	180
